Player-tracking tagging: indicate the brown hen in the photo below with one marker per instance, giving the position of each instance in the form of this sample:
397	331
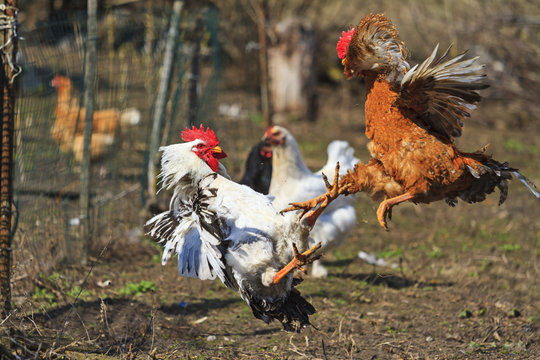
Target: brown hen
68	125
412	118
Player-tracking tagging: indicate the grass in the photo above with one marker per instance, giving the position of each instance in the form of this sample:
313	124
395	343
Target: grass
137	289
390	253
510	247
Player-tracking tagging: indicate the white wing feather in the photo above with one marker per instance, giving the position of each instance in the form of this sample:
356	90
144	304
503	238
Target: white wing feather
183	233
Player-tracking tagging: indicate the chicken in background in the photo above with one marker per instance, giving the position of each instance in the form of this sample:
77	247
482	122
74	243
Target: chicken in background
68	125
339	151
412	117
221	229
259	168
292	181
99	146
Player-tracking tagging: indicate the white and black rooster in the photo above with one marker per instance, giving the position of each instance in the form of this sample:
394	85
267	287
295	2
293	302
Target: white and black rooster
222	229
292	181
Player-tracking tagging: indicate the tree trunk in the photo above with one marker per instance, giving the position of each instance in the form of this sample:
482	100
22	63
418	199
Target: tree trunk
293	71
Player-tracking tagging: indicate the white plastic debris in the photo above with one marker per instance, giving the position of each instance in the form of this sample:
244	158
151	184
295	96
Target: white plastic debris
103	284
199	321
373	260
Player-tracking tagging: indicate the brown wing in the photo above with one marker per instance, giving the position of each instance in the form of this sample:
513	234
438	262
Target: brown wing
443	92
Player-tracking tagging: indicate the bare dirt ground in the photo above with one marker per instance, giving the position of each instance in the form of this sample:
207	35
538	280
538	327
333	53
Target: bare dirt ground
465	284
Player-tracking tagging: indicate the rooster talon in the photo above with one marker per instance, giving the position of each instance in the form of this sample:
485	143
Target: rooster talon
295	250
293	207
381	216
297	262
326	182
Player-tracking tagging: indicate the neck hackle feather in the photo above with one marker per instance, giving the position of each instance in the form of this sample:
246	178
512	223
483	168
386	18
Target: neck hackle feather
373	45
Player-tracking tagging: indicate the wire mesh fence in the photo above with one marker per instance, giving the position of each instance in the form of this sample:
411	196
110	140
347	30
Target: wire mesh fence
50	118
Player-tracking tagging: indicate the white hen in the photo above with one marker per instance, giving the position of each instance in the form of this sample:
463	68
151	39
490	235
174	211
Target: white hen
292	181
222	229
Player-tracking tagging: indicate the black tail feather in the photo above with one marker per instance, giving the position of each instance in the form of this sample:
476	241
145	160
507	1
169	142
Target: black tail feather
490	175
292	311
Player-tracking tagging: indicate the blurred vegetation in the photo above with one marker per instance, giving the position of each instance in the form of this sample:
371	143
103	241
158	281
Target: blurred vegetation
504	34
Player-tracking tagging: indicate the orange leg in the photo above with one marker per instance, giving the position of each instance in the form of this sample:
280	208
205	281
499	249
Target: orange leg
297	262
385	207
332	192
305	206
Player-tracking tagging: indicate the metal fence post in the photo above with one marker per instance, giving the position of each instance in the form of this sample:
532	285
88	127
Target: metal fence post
7	116
89	87
194	76
161	100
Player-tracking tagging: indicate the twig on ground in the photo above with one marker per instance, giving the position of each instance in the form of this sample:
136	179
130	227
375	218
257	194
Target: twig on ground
294	348
34	323
83	285
323	349
7	317
7	354
84	326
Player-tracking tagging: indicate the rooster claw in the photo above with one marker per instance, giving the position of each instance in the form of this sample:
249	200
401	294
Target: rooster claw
381	216
385	208
297	262
318	204
304	206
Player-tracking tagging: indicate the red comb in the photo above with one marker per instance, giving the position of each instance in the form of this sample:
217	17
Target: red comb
343	43
207	135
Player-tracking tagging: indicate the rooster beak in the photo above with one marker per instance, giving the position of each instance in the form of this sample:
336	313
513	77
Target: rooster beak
343	61
220	154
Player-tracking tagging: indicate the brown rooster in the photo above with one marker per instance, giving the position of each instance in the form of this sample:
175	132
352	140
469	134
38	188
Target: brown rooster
412	117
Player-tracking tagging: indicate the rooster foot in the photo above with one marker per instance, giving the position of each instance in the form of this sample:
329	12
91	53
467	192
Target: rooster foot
318	204
385	208
305	206
297	262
